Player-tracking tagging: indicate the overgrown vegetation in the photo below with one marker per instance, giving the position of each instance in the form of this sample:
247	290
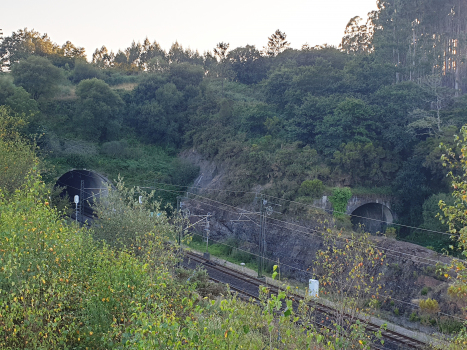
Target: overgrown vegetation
113	286
352	116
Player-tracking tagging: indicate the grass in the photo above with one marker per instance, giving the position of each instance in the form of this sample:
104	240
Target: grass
228	251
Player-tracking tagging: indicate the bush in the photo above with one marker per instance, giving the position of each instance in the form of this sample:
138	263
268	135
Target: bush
313	188
339	200
425	290
429	306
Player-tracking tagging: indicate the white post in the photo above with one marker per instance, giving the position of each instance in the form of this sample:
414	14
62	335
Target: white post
313	288
76	202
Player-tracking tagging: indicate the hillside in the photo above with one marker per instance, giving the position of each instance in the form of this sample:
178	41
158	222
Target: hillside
341	117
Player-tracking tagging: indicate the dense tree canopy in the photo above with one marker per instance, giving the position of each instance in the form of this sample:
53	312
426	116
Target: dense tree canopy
369	113
38	76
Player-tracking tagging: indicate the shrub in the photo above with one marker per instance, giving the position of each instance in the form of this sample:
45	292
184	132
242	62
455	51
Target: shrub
391	232
339	200
429	306
313	188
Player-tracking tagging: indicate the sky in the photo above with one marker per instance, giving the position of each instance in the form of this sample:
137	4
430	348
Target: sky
198	25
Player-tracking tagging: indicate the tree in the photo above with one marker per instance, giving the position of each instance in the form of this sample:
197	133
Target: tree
455	215
352	120
70	50
102	58
364	164
150	51
248	64
84	70
37	76
185	74
348	269
24	43
98	110
177	54
421	38
220	51
17	98
16	155
276	44
222	69
357	37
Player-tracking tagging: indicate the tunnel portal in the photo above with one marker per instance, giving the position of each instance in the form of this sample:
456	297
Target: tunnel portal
88	185
372	217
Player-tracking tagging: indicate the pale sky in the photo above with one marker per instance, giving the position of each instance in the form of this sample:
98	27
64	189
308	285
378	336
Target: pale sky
196	24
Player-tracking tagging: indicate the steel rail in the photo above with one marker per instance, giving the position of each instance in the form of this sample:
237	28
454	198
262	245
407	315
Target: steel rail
392	336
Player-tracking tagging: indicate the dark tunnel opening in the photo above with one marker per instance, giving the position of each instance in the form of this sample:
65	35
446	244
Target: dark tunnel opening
372	217
86	184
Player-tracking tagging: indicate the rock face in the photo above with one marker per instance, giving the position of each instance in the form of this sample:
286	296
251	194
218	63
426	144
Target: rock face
410	272
210	175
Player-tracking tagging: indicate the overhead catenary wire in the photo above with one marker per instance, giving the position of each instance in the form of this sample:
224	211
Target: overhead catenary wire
312	274
317	231
244	211
311	206
295	202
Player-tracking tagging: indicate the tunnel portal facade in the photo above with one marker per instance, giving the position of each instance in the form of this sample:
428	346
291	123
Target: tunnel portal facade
88	185
370	213
372	217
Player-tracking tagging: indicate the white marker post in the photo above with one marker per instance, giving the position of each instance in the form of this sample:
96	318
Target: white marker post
76	202
313	288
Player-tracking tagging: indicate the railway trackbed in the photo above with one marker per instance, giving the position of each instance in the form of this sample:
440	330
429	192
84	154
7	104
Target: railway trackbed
247	287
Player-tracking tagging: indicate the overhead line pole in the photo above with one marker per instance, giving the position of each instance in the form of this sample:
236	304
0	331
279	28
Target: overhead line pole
262	234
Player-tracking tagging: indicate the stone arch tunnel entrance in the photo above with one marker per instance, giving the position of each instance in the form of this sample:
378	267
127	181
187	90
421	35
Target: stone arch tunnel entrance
372	217
88	185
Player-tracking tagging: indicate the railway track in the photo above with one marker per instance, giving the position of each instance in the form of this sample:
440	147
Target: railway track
247	287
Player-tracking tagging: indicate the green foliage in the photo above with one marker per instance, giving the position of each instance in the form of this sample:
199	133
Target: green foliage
126	223
352	121
339	200
431	211
84	70
348	273
313	188
364	164
17	156
347	111
60	288
98	109
37	76
24	43
425	290
429	306
16	98
57	287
